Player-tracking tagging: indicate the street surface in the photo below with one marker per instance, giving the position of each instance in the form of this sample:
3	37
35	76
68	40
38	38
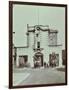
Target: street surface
38	76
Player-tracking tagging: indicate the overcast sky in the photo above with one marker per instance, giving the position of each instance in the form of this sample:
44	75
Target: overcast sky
28	14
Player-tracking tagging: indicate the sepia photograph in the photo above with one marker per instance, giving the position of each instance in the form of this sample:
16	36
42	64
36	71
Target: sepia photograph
37	44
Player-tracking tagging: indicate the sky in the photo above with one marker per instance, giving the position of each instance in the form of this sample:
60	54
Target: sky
28	14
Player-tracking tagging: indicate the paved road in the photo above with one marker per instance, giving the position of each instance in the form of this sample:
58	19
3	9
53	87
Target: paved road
42	76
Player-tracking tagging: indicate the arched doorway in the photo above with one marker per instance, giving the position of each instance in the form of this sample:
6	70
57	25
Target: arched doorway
38	59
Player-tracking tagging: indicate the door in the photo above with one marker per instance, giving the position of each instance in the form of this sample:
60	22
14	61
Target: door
23	60
38	60
54	60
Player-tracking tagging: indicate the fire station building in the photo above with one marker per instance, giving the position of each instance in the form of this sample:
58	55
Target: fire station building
42	47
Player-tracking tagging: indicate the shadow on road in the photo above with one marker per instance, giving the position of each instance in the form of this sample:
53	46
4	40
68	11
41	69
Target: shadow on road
61	69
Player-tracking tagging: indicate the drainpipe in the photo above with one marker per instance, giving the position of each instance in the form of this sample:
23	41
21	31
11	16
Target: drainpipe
27	35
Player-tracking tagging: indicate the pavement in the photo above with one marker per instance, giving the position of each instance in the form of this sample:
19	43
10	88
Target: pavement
19	77
29	76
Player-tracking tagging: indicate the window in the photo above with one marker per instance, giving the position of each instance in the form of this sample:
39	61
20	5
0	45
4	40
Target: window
38	44
23	59
53	39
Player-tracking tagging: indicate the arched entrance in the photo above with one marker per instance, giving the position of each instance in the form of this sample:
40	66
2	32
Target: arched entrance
38	59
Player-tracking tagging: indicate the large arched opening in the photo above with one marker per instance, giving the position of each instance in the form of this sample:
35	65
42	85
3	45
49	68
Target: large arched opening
38	59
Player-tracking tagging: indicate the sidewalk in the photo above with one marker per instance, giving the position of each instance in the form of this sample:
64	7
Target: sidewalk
19	77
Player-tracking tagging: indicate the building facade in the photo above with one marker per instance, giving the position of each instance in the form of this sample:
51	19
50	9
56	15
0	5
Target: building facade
42	47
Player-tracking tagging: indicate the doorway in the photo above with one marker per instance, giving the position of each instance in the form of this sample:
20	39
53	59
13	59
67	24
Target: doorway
38	59
23	60
54	60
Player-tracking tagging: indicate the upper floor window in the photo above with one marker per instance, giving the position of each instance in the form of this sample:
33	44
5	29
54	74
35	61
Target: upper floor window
52	38
38	44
